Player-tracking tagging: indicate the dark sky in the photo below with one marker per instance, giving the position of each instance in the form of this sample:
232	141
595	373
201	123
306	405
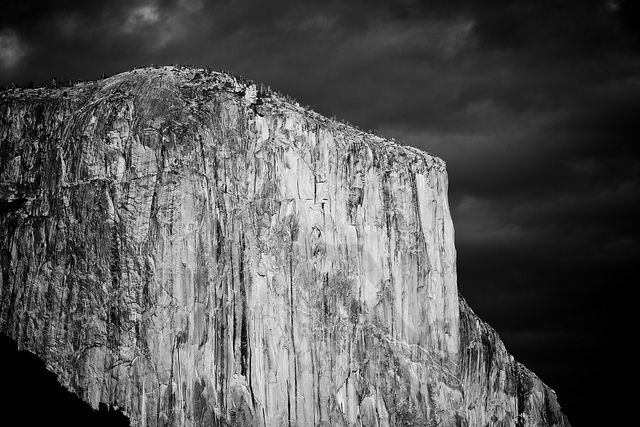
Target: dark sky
534	105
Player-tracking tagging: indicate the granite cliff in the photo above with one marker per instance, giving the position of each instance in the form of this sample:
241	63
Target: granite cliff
196	250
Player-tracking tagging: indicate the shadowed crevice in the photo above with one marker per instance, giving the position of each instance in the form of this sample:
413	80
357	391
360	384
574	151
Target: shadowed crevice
7	206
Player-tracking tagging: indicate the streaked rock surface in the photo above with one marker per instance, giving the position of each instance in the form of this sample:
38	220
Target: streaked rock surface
199	251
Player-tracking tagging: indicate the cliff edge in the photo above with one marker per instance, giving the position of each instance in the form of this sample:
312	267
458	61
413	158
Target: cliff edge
197	250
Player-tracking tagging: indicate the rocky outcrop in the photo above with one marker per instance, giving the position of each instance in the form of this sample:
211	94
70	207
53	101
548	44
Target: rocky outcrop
199	251
497	389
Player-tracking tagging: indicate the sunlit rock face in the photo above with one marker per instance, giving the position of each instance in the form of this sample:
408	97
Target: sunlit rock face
198	251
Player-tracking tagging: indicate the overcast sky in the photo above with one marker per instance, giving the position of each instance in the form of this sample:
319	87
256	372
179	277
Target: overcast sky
534	105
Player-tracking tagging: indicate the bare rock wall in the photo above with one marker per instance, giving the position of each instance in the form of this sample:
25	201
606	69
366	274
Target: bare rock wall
196	252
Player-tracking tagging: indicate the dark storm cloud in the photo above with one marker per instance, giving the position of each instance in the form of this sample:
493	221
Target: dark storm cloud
69	38
533	105
291	37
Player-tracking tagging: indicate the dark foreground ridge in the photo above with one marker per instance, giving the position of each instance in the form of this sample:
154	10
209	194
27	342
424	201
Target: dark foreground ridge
194	250
25	373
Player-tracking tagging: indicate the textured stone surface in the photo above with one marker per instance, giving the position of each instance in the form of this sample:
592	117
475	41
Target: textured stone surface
197	251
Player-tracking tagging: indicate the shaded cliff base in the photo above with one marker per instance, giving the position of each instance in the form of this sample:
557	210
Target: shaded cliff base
33	395
25	372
